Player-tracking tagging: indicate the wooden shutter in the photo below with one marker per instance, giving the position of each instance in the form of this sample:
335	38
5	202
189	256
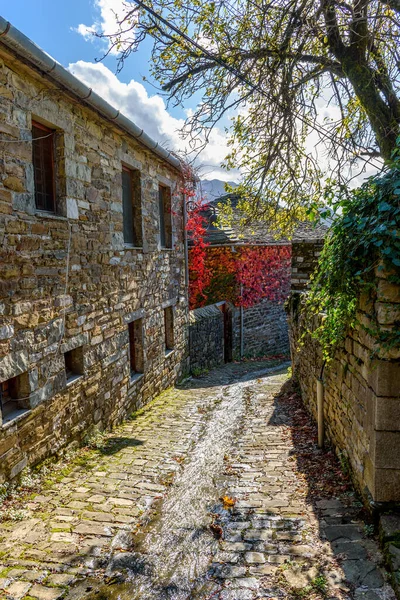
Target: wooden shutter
161	201
43	166
127	206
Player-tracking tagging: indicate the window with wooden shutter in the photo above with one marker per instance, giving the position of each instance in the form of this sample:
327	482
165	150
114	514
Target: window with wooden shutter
131	207
43	167
169	328
136	352
164	200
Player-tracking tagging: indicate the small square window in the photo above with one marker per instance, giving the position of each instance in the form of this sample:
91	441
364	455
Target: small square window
132	207
136	353
74	364
14	397
164	198
169	328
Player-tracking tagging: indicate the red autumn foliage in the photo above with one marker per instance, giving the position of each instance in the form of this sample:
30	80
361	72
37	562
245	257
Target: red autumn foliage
244	276
199	273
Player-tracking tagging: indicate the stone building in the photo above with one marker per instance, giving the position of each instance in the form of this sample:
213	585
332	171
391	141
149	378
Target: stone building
259	329
93	292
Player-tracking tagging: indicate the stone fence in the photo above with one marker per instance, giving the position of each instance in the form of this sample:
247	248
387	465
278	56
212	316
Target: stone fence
362	390
206	338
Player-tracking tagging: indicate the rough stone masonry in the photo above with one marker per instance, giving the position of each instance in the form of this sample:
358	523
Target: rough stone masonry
59	379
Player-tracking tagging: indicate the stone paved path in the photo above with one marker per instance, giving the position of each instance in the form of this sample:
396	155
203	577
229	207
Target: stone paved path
197	497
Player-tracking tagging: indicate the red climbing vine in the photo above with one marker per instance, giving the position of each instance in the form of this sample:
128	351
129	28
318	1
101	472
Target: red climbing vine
199	272
243	275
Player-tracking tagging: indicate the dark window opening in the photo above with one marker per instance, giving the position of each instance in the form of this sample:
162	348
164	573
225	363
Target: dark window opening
131	207
169	328
14	397
136	354
43	167
164	197
74	368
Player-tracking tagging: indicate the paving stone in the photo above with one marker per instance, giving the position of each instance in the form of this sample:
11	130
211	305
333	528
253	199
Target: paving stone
363	594
120	501
257	534
96	499
45	593
362	572
350	550
247	582
60	579
236	547
34	575
342	532
18	589
4	582
273	527
93	529
252	558
300	551
66	538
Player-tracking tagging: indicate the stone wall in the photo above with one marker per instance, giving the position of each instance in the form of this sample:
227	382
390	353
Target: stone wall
265	330
206	338
362	391
109	284
304	262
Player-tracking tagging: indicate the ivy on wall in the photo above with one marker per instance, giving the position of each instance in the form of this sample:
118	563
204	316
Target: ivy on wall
364	243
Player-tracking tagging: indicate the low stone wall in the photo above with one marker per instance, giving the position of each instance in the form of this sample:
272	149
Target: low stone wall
362	393
265	330
206	338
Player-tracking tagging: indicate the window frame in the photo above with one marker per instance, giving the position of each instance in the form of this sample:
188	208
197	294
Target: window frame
46	130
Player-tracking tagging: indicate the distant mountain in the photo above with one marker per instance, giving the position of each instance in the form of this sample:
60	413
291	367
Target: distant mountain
214	188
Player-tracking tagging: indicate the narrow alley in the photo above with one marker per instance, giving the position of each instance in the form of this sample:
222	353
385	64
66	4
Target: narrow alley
200	495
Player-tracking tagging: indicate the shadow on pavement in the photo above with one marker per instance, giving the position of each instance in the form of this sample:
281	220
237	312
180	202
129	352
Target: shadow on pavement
342	520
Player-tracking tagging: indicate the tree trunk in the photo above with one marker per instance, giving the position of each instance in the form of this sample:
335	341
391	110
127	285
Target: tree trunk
381	116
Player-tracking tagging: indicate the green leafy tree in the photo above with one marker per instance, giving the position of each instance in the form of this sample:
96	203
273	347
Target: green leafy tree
275	64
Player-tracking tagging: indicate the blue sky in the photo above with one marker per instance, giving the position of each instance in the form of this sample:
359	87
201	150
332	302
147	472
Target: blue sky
60	27
52	24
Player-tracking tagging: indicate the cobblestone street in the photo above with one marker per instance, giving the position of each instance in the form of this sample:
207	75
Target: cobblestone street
198	496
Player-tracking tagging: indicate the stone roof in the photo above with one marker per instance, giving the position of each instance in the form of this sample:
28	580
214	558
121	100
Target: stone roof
257	233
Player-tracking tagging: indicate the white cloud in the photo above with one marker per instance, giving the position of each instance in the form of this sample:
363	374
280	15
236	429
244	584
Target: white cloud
150	113
109	13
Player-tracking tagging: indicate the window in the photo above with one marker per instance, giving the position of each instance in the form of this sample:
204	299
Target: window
169	328
74	364
136	356
131	207
164	197
14	397
43	167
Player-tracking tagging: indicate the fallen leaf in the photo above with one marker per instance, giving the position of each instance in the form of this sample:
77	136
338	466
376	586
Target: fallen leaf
217	531
228	502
